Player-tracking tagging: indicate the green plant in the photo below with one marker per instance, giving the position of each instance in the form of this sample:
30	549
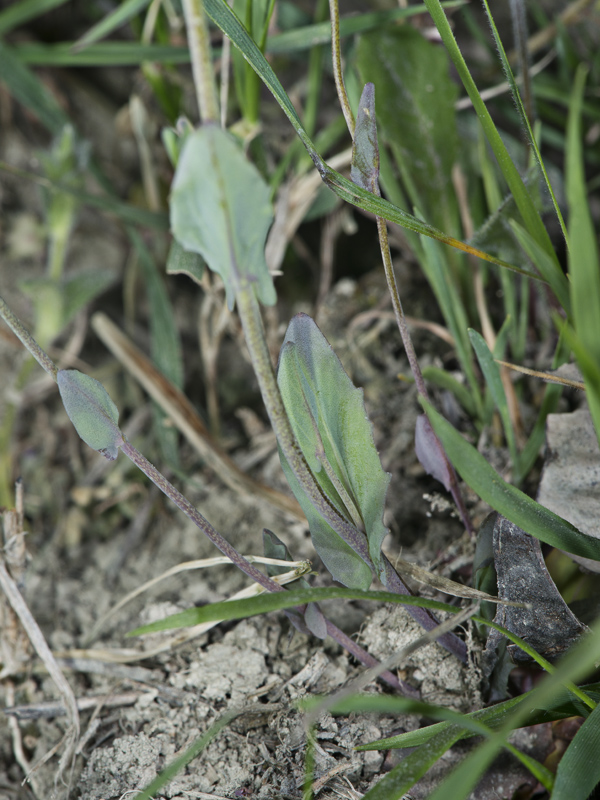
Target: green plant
221	210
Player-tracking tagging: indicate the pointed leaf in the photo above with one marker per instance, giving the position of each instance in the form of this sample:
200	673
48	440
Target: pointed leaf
578	771
221	208
92	412
365	151
429	452
328	417
506	499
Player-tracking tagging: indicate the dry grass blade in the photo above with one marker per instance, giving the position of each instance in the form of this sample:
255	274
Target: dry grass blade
71	737
178	407
549	377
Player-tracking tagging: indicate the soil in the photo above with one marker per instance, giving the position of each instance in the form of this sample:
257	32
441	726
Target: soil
80	514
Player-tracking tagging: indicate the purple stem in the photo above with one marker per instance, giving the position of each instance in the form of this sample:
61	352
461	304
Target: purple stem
159	480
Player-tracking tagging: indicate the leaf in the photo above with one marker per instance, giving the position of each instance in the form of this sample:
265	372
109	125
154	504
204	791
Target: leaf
491	373
415	113
275	601
578	771
506	499
365	151
584	261
329	421
429	452
91	411
221	208
180	262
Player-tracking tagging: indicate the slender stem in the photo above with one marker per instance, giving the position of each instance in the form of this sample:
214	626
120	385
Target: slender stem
368	661
17	327
249	569
158	479
334	14
199	45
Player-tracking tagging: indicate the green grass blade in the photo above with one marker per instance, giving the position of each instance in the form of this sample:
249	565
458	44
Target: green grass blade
560	706
491	373
18	13
523	116
275	601
525	204
27	89
580	659
579	769
544	264
506	499
103	54
320	33
584	264
184	759
111	22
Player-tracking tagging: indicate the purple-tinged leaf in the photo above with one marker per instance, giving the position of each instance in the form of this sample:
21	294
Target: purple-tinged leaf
365	150
429	452
92	412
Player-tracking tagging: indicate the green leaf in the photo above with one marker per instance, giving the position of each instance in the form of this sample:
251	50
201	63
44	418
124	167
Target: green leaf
103	54
180	262
579	769
220	208
28	89
415	113
320	33
523	199
18	13
584	263
92	412
506	499
328	417
491	373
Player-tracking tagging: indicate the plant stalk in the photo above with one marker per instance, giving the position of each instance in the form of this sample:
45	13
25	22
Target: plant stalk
199	45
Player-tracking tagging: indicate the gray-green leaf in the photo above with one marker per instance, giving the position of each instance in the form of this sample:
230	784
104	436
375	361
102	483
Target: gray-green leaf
92	412
328	417
221	208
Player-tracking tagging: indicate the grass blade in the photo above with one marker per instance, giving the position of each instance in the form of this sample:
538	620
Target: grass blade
579	769
506	499
584	272
18	13
525	204
111	22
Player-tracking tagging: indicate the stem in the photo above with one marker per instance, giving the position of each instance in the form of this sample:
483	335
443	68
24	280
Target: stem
199	45
242	563
336	54
17	327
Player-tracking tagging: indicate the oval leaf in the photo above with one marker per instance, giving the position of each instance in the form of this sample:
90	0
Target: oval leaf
221	208
91	411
